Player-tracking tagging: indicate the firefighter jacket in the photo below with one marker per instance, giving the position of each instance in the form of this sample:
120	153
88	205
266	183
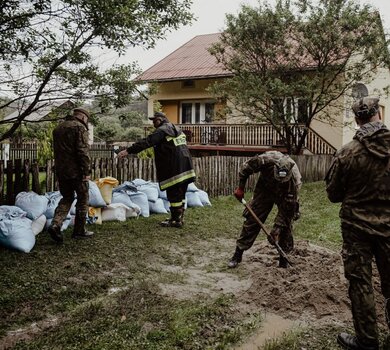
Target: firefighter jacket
71	149
359	177
172	157
270	165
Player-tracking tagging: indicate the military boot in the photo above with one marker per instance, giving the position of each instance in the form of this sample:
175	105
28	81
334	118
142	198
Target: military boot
236	258
176	219
350	342
55	233
79	231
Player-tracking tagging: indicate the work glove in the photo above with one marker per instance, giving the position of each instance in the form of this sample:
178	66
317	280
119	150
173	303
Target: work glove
239	193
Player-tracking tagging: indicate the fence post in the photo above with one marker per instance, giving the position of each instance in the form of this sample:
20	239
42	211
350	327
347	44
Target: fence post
10	183
36	185
26	175
2	174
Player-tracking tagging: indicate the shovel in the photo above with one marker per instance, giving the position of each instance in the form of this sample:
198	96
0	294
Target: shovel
278	248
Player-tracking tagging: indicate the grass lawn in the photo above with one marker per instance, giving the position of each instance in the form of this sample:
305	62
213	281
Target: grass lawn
106	293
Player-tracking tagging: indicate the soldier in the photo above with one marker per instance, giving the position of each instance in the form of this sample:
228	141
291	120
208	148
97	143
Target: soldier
72	166
359	178
173	164
278	183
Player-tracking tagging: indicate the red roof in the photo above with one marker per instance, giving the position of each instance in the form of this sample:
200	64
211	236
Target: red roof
190	61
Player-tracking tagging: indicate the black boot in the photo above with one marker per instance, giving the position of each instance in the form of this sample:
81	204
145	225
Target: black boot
176	219
55	233
236	258
79	231
350	342
283	262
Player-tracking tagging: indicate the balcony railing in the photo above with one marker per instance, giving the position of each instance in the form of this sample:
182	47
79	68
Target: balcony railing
249	135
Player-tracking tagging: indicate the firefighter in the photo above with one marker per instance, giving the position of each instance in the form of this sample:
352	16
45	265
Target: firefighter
173	164
279	182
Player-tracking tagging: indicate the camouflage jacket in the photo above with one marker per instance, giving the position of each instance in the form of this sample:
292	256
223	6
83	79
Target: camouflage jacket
71	150
359	177
266	164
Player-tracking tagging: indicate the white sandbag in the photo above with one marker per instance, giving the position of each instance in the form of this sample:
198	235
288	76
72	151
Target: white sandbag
204	198
124	187
141	200
139	182
162	194
151	191
193	199
192	188
157	207
124	198
16	229
114	212
38	225
167	205
32	203
95	197
64	226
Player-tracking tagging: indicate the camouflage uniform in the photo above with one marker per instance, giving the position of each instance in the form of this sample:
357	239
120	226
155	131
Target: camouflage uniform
271	189
72	165
359	177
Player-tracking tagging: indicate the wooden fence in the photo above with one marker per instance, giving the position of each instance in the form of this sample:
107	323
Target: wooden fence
217	175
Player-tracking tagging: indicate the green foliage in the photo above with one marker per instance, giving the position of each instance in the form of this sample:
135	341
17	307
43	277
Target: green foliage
289	68
52	50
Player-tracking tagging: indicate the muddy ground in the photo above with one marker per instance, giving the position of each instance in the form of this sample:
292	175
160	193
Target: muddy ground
313	291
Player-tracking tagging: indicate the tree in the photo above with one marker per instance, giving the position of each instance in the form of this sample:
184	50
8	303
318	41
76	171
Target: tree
291	64
50	50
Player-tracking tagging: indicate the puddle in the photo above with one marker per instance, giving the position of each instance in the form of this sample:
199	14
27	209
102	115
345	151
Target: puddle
273	327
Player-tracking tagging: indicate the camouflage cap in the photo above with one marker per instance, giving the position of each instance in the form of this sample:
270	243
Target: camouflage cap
158	115
366	107
81	110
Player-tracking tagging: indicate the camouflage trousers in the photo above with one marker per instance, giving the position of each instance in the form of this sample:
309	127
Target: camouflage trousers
262	206
359	249
68	188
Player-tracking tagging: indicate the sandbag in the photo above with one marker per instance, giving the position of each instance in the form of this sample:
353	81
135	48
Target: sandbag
141	200
193	199
32	203
157	207
192	188
16	229
38	225
162	194
124	187
167	205
95	197
204	198
92	216
114	212
151	191
139	182
124	198
106	184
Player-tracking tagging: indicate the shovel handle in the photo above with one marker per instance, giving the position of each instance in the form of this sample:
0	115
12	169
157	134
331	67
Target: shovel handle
277	246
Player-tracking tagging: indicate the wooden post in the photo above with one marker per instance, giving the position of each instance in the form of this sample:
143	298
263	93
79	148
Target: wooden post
10	183
18	176
36	185
2	174
26	175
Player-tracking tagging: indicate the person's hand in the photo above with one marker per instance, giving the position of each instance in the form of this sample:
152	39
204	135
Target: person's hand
239	193
123	153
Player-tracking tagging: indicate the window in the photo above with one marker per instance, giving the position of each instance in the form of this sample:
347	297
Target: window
188	84
296	110
197	112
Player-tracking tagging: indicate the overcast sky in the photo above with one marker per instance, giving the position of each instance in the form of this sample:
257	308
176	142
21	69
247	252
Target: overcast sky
210	16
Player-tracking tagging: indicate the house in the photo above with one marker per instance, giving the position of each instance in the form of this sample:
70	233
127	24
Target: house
46	110
182	79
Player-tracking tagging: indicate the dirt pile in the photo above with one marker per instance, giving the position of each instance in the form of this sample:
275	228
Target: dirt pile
313	289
